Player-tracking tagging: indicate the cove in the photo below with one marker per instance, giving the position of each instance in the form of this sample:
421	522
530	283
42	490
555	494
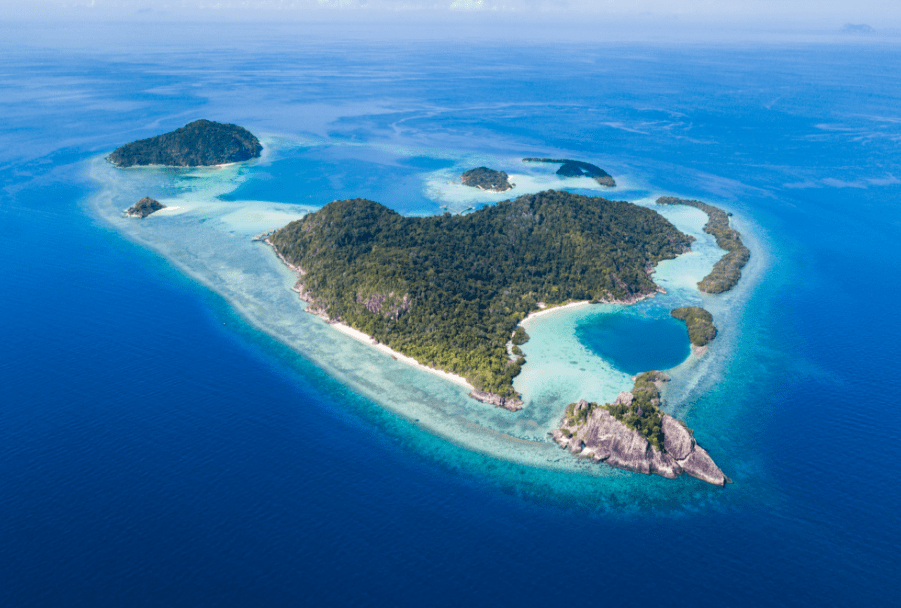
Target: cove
635	344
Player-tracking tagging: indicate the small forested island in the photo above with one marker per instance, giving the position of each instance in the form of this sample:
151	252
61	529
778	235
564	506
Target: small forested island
577	168
201	143
699	322
450	290
727	271
144	207
633	433
487	179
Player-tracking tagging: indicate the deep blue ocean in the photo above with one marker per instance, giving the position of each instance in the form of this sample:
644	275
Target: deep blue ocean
157	450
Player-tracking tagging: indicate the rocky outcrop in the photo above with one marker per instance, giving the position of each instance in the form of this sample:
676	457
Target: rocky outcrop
388	305
198	144
603	438
508	403
144	207
677	440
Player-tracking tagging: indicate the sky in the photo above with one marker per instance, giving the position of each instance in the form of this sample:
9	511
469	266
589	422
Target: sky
825	14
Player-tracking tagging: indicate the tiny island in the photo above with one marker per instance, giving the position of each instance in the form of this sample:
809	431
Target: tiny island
577	168
202	143
727	271
144	207
633	433
699	323
487	179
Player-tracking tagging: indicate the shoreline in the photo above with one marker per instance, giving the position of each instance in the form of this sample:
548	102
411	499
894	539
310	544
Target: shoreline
154	166
358	335
364	338
559	307
550	309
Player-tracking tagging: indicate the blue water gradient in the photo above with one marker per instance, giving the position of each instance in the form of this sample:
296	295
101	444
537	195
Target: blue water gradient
156	450
635	344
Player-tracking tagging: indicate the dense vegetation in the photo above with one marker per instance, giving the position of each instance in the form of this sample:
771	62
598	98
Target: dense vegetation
145	207
200	143
699	322
727	271
520	336
577	168
487	179
642	414
449	290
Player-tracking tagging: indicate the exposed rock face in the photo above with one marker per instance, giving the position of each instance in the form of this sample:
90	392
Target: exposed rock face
386	304
676	438
144	207
605	439
200	143
513	405
699	464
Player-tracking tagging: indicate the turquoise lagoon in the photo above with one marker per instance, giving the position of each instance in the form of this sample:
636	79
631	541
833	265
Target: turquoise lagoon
588	352
176	431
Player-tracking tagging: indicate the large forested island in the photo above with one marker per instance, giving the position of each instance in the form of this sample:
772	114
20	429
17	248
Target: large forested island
197	144
450	290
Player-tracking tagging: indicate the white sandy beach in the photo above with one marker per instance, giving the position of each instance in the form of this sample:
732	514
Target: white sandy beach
551	309
366	339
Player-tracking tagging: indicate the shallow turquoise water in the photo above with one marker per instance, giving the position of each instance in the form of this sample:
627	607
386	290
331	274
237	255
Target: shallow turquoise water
158	448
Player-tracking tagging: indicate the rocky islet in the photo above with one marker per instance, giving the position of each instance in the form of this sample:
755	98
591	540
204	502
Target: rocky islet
144	207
